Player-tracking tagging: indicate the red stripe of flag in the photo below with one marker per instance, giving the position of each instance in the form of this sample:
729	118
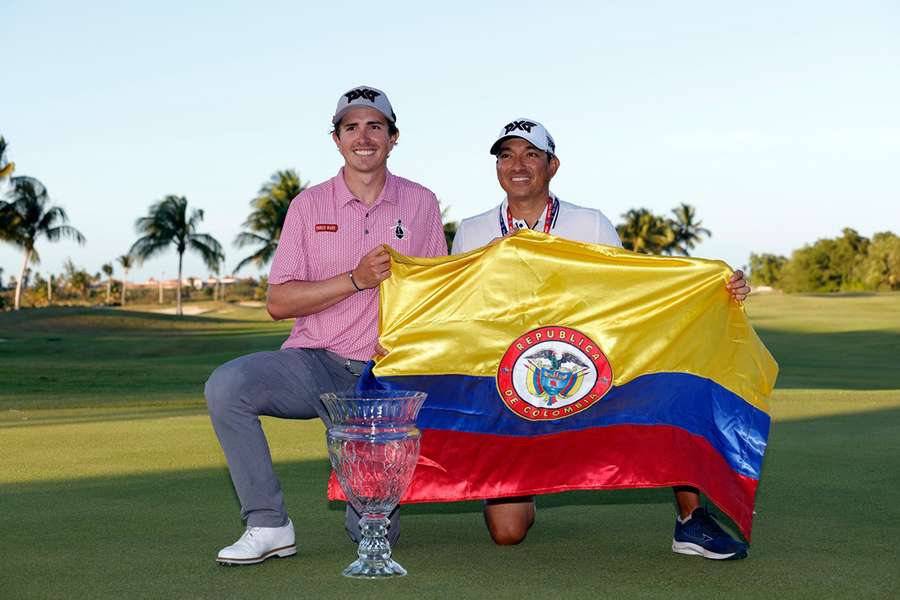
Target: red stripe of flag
458	466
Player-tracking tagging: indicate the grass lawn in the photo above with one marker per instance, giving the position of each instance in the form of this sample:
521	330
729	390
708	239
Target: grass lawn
112	483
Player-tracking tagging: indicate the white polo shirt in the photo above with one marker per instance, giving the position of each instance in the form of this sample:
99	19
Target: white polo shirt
572	222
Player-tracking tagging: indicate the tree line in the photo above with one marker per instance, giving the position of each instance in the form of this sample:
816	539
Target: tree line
74	285
849	263
28	216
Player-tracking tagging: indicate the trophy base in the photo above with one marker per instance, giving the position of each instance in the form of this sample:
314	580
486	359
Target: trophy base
374	569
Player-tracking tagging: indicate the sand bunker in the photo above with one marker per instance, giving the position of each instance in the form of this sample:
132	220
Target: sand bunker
185	310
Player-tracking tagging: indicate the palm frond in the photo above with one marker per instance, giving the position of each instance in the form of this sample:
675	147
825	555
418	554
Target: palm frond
260	258
64	232
208	248
163	226
168	224
11	229
688	230
645	232
126	260
26	215
6	168
269	210
51	217
245	238
147	247
196	218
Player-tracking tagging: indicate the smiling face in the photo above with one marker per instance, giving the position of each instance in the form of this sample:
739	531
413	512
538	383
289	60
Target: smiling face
524	172
363	139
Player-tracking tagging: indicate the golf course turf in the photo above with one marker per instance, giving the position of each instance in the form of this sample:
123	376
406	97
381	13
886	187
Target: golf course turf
112	483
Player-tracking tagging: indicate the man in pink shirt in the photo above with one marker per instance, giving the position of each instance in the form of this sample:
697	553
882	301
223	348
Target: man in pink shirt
330	260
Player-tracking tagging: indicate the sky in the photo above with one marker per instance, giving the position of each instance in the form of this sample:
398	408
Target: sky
778	121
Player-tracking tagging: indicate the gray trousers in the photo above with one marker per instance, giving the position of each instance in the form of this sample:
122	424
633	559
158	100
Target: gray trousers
286	384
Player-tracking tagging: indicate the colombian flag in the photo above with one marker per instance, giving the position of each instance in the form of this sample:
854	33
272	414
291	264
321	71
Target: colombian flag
553	365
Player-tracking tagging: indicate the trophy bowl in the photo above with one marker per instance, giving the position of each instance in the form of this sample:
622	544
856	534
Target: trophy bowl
373	444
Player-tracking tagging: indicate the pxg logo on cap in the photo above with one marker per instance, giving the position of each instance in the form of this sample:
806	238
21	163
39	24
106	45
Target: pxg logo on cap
529	130
364	96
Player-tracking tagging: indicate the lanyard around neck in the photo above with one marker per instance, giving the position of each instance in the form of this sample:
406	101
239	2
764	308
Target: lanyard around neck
549	217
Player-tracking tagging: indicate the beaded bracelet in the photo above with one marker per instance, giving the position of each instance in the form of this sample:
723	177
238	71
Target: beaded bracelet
353	281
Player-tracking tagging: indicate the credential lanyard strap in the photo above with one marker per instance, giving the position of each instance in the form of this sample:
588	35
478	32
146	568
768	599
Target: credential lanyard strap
549	218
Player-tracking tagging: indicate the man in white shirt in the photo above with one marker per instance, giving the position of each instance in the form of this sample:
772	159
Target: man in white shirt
526	162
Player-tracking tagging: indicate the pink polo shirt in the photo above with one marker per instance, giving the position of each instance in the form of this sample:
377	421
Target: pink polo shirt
327	231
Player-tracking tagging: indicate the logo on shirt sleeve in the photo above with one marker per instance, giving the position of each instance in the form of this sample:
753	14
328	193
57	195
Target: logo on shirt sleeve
329	227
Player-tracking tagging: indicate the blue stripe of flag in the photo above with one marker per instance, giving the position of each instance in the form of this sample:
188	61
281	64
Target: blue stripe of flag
736	429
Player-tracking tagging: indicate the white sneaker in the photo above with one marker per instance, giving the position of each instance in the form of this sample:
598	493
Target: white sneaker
259	543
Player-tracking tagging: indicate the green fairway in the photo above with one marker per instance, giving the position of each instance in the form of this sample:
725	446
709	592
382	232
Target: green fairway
113	484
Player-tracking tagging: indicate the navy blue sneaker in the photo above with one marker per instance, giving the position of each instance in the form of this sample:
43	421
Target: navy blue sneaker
700	535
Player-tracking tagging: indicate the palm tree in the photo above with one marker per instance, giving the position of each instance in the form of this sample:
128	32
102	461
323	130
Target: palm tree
6	167
168	224
270	208
7	216
80	282
645	232
449	226
217	270
108	271
26	217
126	261
688	232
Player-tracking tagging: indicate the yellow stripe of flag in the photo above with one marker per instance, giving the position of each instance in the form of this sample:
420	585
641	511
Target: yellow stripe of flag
649	314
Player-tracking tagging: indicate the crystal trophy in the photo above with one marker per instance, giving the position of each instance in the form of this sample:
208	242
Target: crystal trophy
373	445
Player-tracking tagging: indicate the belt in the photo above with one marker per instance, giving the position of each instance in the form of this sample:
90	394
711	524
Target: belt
355	367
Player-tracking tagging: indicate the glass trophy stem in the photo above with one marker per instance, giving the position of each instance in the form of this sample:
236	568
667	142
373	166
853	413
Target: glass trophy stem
374	551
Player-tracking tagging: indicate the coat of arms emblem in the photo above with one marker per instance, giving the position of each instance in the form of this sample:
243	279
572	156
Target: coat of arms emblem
551	373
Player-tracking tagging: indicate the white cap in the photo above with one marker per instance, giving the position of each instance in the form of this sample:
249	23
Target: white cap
529	130
366	97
